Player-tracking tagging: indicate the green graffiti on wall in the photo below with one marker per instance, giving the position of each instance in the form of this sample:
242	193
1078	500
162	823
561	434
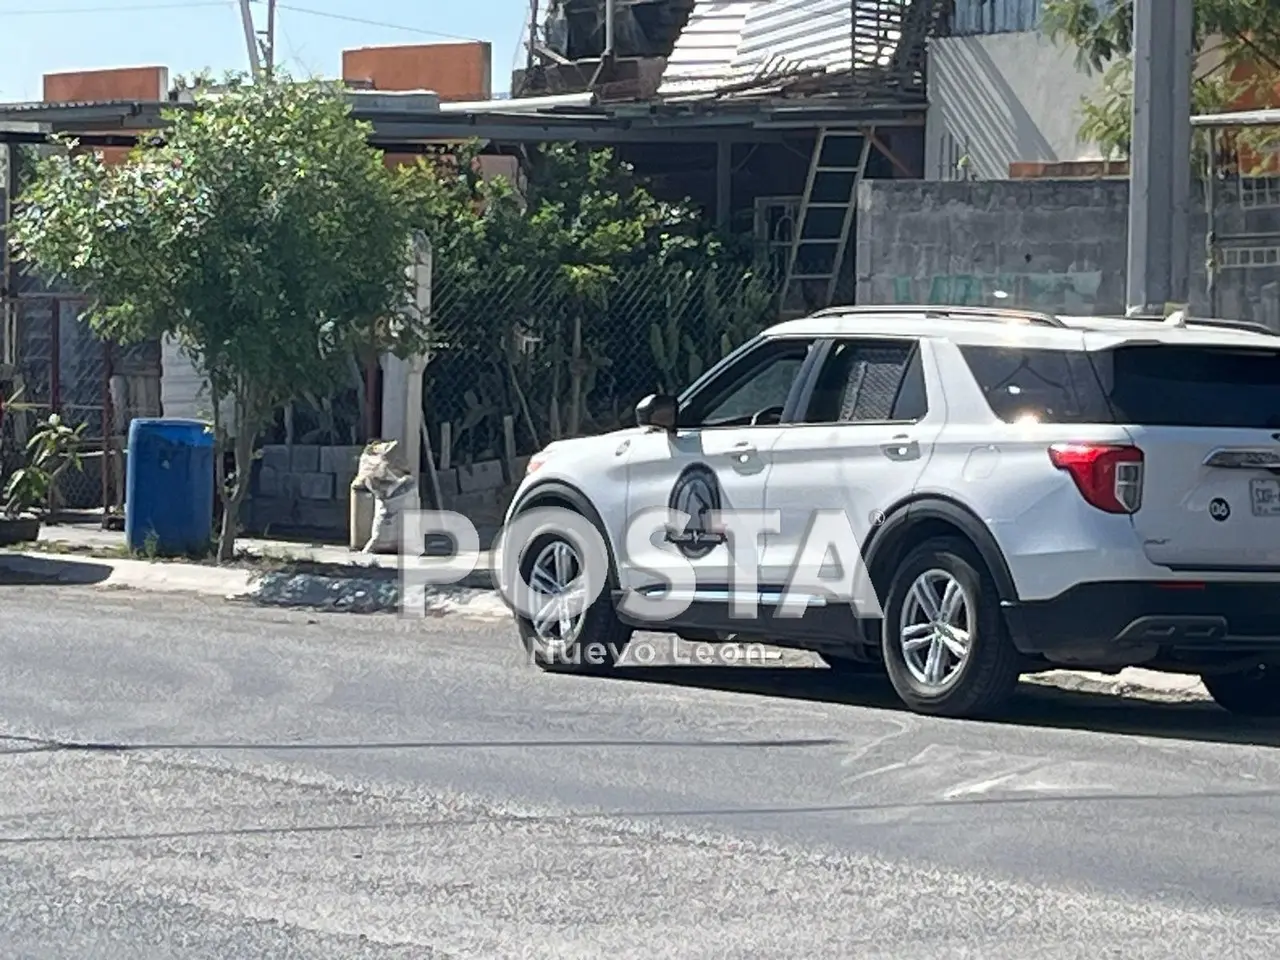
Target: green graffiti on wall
1063	291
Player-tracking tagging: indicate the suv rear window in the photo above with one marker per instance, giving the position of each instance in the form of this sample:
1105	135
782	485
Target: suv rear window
1051	386
1177	386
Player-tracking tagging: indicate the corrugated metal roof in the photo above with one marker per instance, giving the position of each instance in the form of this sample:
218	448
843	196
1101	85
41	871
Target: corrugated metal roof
44	106
809	33
702	58
974	17
730	41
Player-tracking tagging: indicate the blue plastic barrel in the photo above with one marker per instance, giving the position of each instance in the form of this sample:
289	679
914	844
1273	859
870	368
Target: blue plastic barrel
169	487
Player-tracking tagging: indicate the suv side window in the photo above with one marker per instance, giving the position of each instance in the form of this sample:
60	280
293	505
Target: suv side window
751	390
1050	386
869	381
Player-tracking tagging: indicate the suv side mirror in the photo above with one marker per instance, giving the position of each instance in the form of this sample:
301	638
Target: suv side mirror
657	410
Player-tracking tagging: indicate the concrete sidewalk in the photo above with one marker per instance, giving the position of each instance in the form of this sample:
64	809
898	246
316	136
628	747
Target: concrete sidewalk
92	539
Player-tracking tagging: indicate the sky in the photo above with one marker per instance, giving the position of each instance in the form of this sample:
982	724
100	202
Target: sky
48	36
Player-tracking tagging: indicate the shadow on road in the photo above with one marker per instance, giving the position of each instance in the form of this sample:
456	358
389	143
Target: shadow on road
22	570
1034	705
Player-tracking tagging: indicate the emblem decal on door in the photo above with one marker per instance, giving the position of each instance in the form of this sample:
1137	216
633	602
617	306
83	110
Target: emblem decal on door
1219	509
696	493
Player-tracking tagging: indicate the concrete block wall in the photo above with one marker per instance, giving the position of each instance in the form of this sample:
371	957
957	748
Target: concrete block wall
306	488
303	487
1059	245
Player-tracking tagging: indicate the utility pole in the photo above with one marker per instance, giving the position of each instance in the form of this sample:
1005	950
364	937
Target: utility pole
1160	156
262	52
250	37
271	37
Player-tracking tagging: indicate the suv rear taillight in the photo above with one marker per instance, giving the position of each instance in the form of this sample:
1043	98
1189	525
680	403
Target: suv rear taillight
1109	476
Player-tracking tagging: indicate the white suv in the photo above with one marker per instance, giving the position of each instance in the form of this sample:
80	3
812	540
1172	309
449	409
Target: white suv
1027	491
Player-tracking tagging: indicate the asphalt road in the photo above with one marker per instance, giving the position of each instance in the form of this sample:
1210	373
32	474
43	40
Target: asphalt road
182	778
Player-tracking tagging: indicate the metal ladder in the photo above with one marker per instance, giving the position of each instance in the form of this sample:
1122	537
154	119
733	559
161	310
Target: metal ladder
819	244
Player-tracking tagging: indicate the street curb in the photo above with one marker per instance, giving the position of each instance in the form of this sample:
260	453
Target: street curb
44	569
375	566
373	590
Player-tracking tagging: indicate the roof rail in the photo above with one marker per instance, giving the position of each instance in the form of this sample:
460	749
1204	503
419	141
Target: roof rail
944	311
1249	326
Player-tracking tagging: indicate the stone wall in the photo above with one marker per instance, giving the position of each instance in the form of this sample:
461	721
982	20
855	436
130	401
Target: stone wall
305	489
1059	245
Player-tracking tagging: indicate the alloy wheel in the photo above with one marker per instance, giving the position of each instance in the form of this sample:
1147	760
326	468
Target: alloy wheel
559	596
936	628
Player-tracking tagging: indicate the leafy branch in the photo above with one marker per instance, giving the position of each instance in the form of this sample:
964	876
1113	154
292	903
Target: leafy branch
51	451
260	231
1239	61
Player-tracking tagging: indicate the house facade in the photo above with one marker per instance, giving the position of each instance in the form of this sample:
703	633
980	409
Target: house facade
1002	93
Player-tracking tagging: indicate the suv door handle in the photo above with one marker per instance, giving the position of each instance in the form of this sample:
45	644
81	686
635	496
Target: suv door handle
741	452
901	447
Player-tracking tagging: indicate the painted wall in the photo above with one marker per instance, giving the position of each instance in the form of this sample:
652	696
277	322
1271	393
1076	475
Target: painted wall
184	392
456	71
995	100
1060	245
1008	94
122	83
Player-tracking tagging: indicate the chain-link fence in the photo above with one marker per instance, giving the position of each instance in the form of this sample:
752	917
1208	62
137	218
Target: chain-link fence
522	357
59	366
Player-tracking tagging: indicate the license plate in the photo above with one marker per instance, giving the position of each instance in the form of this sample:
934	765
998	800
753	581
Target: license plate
1265	495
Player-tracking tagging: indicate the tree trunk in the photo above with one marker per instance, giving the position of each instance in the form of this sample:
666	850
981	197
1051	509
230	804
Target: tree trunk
243	447
227	534
220	463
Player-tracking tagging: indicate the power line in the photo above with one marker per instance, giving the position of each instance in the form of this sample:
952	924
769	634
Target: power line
116	9
193	4
375	23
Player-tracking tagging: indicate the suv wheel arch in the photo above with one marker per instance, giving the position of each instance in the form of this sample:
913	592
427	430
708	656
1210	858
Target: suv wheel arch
914	521
557	493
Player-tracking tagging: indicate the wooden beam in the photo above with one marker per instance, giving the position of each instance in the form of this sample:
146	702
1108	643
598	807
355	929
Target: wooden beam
889	155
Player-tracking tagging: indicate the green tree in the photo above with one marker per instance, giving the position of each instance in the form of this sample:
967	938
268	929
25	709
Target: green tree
538	264
259	230
1226	32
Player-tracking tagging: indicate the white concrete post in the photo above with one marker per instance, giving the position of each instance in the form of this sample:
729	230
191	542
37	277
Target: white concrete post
402	379
402	405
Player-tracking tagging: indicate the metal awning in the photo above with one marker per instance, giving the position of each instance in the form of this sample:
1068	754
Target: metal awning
1239	118
399	127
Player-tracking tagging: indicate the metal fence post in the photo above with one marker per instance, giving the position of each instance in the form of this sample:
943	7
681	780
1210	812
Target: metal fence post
108	446
55	355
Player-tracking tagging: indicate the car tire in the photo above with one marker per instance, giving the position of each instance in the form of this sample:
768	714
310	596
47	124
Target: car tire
1251	693
600	637
976	683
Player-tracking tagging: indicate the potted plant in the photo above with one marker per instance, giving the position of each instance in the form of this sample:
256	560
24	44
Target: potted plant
52	450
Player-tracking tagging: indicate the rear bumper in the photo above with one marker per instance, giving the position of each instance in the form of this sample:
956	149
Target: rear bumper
1106	619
